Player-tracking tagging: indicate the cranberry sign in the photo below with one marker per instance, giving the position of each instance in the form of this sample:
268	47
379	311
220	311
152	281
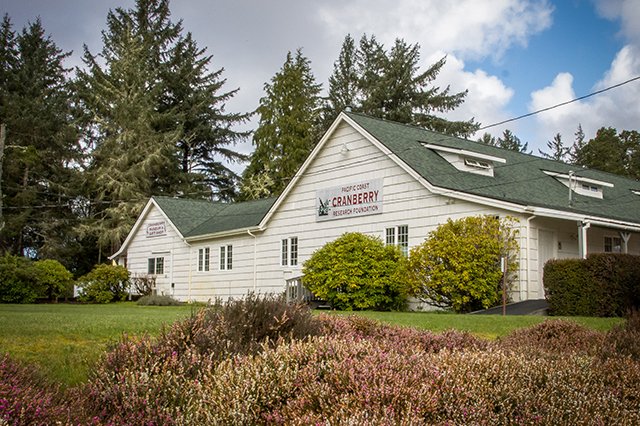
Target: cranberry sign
349	200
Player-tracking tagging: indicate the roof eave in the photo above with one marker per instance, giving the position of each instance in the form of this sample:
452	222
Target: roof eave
223	234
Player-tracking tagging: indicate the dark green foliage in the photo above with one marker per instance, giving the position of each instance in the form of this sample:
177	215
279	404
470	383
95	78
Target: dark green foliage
38	181
566	289
18	282
287	130
507	141
602	285
609	151
355	272
157	300
104	284
154	115
557	150
388	84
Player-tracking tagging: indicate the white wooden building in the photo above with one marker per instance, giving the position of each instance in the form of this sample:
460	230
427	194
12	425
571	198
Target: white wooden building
390	180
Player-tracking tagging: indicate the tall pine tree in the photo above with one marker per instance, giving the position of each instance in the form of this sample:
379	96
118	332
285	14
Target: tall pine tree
155	119
287	130
557	150
38	174
131	159
389	84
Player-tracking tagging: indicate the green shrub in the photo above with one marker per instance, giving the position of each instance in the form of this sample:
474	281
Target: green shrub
603	285
53	278
104	284
355	272
18	282
157	300
458	265
566	290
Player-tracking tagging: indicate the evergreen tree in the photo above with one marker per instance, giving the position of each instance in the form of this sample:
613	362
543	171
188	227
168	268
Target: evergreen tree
389	85
155	118
193	95
606	152
557	150
286	134
343	83
507	141
578	145
132	159
38	176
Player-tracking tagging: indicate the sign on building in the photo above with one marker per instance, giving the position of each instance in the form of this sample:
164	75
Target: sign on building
349	200
155	229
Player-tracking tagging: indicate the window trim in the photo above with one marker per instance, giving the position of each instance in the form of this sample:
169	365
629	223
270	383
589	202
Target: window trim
204	259
392	236
155	265
226	257
289	249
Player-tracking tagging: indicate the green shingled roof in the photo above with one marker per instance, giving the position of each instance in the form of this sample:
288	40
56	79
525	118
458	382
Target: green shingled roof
201	217
521	180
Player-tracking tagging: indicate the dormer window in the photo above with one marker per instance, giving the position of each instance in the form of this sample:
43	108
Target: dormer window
477	163
467	161
581	185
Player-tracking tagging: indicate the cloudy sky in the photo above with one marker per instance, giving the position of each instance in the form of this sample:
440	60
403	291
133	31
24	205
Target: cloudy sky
514	56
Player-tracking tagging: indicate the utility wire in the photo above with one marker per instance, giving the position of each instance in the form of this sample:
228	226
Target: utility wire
560	104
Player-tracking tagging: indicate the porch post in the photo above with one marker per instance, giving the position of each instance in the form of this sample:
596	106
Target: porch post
582	238
625	236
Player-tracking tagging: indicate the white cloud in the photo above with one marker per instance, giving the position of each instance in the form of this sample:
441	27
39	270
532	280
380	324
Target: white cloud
472	29
627	11
618	107
487	97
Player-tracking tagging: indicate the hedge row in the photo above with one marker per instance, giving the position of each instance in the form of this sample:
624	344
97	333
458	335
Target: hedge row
603	285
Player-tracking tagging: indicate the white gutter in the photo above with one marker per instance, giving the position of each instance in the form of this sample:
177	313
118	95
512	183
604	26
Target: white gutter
222	234
255	266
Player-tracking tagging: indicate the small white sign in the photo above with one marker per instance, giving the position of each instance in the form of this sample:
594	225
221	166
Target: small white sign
349	200
156	229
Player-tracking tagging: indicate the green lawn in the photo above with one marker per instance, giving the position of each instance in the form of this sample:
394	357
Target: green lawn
487	326
66	340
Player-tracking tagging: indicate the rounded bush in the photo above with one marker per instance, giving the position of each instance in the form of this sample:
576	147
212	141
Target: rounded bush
458	266
18	282
104	284
53	277
356	272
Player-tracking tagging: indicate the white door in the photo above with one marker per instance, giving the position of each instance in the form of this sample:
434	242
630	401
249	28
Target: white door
546	251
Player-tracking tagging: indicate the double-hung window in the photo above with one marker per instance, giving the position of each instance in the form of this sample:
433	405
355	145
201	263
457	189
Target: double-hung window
226	257
155	265
289	252
398	236
613	245
204	254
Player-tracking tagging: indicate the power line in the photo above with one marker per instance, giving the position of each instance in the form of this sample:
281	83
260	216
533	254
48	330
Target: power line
560	104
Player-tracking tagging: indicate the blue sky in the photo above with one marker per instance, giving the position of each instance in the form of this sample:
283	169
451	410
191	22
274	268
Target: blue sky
514	56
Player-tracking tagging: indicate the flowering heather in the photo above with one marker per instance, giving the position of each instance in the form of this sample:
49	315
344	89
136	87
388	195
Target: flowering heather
25	399
224	367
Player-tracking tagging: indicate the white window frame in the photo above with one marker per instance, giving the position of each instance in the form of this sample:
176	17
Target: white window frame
204	259
226	257
155	265
289	251
398	236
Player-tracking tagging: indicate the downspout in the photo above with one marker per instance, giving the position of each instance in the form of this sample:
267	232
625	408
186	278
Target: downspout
255	270
529	219
582	238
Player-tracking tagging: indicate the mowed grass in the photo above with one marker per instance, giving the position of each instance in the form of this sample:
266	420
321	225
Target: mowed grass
486	326
67	340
